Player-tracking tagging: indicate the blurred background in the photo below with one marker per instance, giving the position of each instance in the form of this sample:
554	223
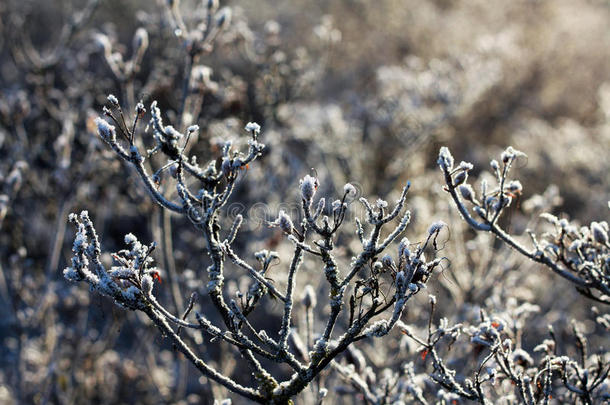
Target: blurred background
362	92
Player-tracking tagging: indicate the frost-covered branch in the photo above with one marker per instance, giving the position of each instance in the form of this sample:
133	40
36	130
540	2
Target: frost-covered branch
581	255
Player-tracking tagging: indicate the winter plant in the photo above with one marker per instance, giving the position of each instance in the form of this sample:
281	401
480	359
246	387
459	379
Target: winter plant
357	292
361	305
580	255
243	275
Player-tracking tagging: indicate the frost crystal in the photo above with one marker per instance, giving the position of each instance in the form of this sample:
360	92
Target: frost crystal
349	189
381	203
467	192
403	248
514	186
466	166
600	235
253	127
113	100
106	131
387	260
337	205
283	221
436	226
510	154
71	274
445	160
309	185
147	284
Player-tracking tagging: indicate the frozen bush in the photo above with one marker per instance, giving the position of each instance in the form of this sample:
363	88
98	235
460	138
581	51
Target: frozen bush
580	255
372	313
333	94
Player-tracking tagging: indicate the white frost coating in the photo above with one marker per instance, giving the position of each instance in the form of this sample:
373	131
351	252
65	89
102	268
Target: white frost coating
283	221
320	345
387	260
403	248
112	99
122	272
147	285
309	185
436	226
379	328
80	241
253	127
550	218
445	160
131	293
172	133
466	166
71	274
106	131
130	238
514	186
467	192
510	154
349	189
